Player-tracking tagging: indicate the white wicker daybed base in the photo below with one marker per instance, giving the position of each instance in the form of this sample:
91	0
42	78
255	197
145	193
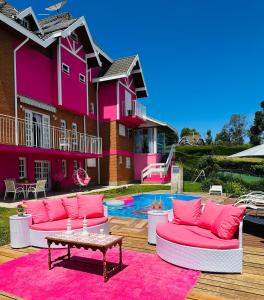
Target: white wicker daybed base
208	260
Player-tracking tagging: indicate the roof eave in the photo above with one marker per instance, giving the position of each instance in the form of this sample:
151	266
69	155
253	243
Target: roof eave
29	11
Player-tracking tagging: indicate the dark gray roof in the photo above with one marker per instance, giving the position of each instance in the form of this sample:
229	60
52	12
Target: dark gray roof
7	9
120	66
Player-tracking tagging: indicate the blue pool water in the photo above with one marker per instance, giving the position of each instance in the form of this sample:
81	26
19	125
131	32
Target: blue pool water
142	203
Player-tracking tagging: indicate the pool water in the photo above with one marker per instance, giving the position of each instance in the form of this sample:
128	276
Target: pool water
143	203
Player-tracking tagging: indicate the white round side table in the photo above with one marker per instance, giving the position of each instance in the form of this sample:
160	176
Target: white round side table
19	231
155	217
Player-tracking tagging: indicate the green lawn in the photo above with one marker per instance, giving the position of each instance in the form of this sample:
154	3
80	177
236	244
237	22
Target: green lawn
190	186
245	177
4	224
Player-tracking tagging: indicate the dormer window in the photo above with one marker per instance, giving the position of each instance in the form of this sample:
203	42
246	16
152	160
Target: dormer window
74	36
65	68
25	23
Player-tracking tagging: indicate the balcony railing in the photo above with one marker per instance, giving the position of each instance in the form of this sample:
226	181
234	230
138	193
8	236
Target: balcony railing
32	134
137	110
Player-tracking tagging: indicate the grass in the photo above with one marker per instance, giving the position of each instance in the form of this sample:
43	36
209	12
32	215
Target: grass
4	224
190	186
245	177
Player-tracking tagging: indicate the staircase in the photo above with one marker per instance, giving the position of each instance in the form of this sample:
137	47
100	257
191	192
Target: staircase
158	172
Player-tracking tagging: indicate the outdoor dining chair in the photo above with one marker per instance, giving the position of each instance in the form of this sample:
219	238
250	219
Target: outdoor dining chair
10	187
39	188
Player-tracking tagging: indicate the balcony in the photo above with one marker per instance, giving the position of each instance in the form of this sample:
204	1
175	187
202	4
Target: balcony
32	134
134	114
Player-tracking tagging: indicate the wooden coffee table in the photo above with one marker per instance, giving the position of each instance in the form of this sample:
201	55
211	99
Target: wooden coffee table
93	241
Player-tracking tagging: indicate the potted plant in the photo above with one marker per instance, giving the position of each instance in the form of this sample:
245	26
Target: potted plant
21	209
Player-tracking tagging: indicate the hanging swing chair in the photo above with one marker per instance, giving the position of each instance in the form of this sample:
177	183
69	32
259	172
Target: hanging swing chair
81	178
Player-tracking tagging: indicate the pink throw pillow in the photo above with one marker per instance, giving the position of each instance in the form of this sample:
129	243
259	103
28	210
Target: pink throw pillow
38	211
186	212
227	222
90	206
209	214
55	209
71	207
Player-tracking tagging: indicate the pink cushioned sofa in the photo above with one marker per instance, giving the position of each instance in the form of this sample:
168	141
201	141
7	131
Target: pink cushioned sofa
49	216
206	238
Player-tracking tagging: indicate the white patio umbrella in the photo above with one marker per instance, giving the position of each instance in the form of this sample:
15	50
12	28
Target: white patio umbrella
254	151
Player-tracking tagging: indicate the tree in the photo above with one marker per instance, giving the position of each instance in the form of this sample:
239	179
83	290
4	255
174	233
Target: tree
188	131
209	138
256	130
234	131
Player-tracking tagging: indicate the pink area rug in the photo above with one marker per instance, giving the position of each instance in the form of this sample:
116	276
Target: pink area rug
144	276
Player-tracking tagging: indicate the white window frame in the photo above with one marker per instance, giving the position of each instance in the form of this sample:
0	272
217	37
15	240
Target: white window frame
128	162
91	162
122	130
24	165
65	68
120	160
74	134
64	168
82	78
75	165
63	128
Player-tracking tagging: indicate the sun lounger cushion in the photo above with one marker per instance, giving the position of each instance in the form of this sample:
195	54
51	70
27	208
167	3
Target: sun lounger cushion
186	212
55	209
61	224
90	206
209	214
227	222
194	236
38	211
71	207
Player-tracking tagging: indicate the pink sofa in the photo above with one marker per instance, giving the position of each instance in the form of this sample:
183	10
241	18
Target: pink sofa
49	216
199	240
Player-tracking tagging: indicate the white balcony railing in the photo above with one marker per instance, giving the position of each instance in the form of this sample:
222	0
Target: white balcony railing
136	110
32	134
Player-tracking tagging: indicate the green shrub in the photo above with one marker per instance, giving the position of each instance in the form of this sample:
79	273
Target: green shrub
205	185
235	188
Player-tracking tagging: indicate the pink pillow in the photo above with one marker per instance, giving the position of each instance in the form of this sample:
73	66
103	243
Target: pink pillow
186	212
55	209
227	222
209	214
38	211
71	207
90	206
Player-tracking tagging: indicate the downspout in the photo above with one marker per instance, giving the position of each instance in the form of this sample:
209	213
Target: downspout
98	132
15	87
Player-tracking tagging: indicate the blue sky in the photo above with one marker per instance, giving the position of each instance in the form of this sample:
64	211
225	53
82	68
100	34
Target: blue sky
203	60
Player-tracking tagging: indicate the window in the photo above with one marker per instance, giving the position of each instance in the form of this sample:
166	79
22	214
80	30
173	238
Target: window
91	162
22	167
74	134
74	36
122	130
75	165
25	23
120	160
91	108
64	167
82	78
65	68
128	104
128	162
63	127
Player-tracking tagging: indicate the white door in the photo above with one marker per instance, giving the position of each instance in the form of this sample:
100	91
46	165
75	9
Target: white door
42	171
29	128
128	104
45	131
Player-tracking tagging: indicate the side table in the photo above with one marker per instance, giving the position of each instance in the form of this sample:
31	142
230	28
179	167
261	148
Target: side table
155	217
19	231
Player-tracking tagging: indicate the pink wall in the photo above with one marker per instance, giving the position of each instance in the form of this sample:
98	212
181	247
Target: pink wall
73	91
36	75
141	160
107	101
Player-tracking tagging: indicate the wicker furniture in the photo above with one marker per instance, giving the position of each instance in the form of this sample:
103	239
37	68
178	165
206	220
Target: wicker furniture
91	241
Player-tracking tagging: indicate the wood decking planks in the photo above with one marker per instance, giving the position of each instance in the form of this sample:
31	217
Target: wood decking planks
248	285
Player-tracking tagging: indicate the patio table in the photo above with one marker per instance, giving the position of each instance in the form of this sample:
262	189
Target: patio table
26	186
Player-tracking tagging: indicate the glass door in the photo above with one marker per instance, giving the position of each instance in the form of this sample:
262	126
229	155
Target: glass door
42	171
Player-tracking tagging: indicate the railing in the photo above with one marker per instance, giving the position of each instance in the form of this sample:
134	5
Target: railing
32	134
158	168
137	109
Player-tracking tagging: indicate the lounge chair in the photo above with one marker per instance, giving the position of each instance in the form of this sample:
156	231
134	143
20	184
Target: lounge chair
216	189
253	201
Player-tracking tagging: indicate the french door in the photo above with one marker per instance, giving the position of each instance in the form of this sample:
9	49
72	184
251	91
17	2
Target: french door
43	171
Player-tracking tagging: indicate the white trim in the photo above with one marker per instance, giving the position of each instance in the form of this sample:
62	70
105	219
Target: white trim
29	11
90	55
141	89
98	130
67	38
24	159
155	142
87	91
132	65
117	101
37	103
136	71
59	72
73	53
65	68
15	86
142	76
80	48
129	85
101	79
103	53
127	88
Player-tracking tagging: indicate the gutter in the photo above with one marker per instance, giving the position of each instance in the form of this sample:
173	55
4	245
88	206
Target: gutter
15	87
98	131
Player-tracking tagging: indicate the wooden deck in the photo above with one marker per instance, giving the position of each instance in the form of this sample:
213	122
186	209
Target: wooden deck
249	285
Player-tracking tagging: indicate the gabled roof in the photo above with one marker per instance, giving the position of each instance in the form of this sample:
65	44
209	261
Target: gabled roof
151	122
124	67
28	12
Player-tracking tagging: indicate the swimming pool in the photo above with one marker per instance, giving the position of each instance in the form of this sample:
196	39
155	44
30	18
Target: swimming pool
143	203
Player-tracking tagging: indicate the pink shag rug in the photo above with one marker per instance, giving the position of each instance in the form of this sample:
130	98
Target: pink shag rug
144	276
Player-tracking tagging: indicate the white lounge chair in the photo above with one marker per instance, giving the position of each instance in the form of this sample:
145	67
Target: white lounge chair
10	187
39	188
253	201
216	189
